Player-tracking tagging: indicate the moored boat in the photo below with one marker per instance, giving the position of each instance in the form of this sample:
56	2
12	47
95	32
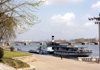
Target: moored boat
45	48
58	48
71	50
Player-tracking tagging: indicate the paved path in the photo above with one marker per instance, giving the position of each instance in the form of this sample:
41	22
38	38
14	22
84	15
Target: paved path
45	62
5	67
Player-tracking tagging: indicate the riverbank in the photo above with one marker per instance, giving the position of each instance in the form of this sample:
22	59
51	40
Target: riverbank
8	60
45	62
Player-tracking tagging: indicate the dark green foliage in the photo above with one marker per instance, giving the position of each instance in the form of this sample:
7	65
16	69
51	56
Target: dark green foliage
1	53
12	48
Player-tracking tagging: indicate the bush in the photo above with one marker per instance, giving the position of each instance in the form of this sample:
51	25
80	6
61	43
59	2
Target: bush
1	53
12	48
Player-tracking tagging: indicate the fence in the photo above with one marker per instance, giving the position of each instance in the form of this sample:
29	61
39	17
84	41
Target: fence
89	59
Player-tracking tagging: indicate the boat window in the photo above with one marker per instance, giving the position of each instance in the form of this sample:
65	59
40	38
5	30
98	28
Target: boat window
82	48
57	48
67	49
62	48
53	48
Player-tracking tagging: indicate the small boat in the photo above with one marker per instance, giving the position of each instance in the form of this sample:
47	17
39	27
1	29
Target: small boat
44	48
33	51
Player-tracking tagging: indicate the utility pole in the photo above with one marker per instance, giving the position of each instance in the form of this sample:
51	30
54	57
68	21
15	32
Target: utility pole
97	22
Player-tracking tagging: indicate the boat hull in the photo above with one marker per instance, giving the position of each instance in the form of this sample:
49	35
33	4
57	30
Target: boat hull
73	54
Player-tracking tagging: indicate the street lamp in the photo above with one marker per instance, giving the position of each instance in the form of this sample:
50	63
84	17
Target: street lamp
97	22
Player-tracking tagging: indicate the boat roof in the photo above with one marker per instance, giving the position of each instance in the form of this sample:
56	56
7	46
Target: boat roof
71	46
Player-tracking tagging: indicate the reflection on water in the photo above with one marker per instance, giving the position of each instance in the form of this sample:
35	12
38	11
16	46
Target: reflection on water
34	46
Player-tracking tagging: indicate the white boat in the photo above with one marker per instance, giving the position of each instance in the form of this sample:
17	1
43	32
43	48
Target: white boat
44	48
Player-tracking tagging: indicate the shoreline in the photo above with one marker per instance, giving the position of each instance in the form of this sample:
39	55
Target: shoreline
49	62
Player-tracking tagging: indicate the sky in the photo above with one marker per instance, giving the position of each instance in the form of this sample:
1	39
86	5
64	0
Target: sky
65	19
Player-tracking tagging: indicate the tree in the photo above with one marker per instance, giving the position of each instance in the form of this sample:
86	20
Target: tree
7	30
16	17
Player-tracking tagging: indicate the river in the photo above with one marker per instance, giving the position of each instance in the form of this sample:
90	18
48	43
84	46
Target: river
34	46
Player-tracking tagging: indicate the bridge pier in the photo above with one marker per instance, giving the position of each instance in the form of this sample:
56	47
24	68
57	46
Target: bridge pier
81	43
25	43
8	44
95	43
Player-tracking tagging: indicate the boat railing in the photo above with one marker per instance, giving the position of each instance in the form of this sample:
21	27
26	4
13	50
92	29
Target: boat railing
84	51
79	51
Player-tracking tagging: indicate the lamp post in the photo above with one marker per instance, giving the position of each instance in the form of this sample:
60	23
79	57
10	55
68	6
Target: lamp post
97	22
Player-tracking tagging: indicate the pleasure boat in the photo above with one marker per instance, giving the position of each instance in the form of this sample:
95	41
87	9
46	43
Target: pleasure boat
71	50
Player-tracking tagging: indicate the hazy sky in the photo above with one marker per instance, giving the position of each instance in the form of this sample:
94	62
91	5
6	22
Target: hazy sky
65	19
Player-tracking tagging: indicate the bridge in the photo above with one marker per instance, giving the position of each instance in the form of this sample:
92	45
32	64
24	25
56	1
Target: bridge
25	42
85	43
68	42
81	43
19	42
94	43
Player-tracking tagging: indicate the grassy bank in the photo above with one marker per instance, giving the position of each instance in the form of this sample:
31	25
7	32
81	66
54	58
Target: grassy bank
9	54
7	59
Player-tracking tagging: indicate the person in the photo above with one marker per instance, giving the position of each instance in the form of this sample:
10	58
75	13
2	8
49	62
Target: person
61	55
